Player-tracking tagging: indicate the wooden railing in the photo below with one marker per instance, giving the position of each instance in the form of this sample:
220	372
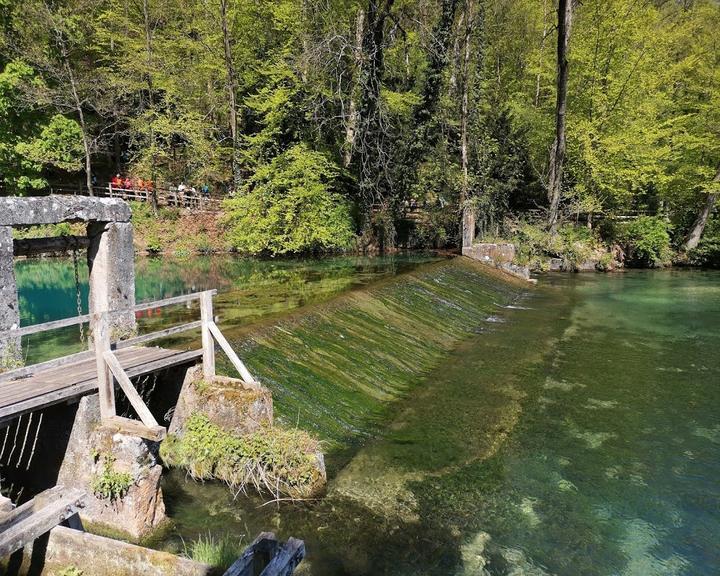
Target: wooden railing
109	368
169	197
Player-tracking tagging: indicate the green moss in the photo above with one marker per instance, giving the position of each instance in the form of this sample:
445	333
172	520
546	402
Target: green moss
110	484
277	460
70	571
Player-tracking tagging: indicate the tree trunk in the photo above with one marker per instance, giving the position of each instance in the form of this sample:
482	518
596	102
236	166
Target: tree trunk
557	154
693	238
232	94
468	214
83	126
151	98
351	125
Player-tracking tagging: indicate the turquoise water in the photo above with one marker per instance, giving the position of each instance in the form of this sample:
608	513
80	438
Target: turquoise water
474	427
577	433
250	290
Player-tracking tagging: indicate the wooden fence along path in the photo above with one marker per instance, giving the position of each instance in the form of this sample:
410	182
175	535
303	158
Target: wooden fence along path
168	197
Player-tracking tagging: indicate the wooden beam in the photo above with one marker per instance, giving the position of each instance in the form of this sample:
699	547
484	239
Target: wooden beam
55	363
225	345
127	386
35	246
24	331
208	344
134	428
173	300
106	388
31	520
159	334
261	551
288	557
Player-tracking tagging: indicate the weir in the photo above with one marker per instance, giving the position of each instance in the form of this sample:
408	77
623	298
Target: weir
116	356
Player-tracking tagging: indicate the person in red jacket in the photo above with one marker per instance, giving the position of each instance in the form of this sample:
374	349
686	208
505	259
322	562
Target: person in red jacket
127	183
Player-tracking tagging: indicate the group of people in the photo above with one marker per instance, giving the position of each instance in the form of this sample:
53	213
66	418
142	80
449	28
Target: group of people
128	183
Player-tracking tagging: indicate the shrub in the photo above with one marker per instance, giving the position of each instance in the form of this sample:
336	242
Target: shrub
110	484
646	241
707	253
291	205
272	458
573	244
219	553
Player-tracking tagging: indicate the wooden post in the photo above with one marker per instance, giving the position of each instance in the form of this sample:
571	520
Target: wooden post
106	386
206	317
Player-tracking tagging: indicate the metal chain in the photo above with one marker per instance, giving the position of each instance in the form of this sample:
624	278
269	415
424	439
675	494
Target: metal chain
78	296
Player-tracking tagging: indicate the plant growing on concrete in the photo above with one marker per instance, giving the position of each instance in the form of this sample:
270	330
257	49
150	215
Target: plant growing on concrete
272	459
110	484
219	553
70	571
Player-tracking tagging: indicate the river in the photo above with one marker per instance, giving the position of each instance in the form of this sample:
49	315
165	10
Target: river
472	427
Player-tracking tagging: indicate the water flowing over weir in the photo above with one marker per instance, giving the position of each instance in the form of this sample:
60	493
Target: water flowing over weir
336	369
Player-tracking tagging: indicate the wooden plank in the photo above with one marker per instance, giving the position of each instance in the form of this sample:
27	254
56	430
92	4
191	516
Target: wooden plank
34	246
46	513
208	345
173	360
135	399
101	336
261	551
288	557
27	371
159	334
55	324
225	345
170	301
134	428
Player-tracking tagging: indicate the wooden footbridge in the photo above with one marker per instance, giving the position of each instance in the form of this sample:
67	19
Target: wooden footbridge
116	355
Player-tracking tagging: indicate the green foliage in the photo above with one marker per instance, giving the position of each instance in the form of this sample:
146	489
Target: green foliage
110	484
646	241
219	553
59	145
708	251
573	244
272	458
291	205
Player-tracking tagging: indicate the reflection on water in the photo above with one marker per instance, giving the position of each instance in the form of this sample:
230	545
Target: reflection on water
250	290
579	437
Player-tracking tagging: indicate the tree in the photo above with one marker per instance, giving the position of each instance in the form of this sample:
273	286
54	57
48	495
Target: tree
557	153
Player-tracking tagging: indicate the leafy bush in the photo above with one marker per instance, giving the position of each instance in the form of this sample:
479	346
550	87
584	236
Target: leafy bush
646	241
707	253
219	553
110	484
273	458
290	205
573	244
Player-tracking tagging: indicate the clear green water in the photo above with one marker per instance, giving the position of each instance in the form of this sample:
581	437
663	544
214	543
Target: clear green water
580	436
476	428
250	291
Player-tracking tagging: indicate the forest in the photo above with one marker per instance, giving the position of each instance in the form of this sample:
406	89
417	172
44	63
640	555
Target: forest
568	127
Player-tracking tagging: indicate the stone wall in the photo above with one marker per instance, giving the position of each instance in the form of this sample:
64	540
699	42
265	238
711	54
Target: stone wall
10	353
90	449
498	255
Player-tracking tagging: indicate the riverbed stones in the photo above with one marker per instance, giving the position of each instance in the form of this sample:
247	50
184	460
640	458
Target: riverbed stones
91	450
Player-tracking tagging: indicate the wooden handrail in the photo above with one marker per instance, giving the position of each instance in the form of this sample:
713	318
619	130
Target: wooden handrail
65	322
